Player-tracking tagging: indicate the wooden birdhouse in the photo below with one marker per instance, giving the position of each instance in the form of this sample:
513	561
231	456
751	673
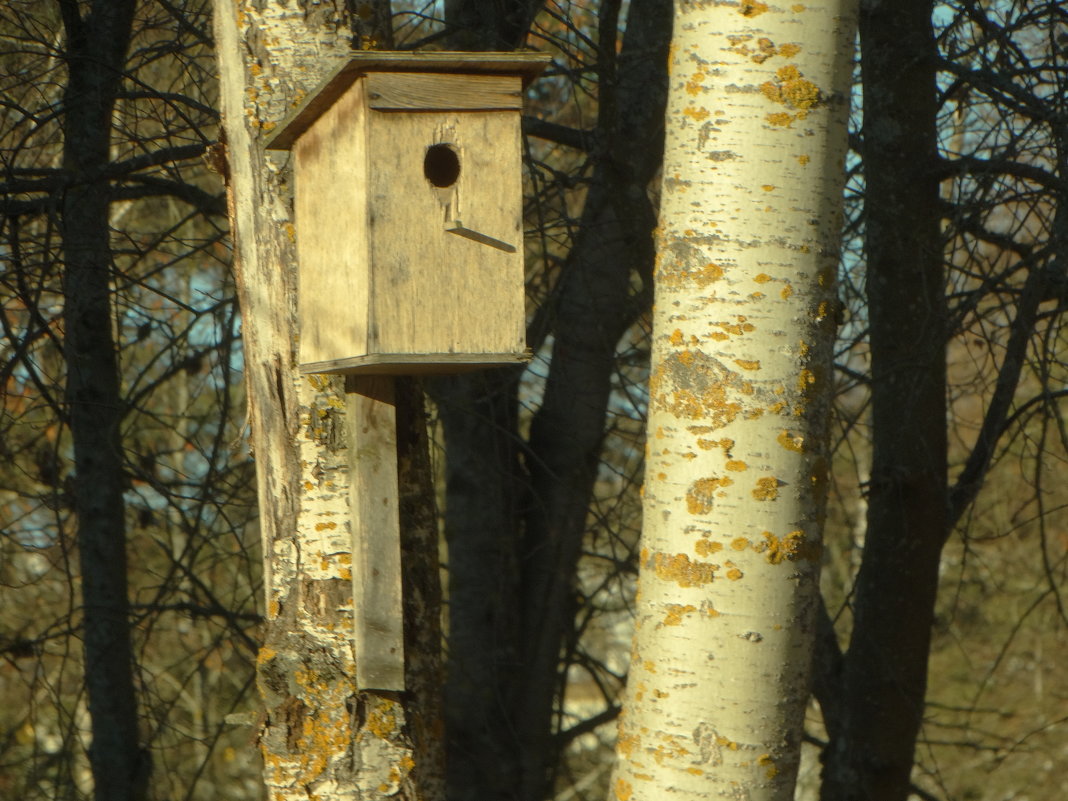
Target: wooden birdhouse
409	213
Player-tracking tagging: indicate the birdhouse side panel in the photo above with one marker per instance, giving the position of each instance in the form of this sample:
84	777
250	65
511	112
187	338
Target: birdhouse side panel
333	232
446	233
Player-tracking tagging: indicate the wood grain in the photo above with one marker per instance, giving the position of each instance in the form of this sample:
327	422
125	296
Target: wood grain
376	552
406	91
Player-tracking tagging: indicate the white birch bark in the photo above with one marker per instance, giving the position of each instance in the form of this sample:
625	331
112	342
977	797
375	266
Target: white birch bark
320	737
735	473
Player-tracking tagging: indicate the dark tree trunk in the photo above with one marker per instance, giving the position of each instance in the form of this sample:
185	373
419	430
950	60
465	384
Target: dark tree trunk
96	52
885	669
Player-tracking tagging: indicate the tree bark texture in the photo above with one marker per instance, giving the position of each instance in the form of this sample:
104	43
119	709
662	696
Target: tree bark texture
885	669
97	40
321	737
515	536
740	387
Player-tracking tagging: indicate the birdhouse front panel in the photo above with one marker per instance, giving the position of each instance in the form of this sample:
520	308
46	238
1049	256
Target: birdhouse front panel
446	234
409	214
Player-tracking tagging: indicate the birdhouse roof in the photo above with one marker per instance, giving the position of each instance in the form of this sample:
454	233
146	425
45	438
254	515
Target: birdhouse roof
527	65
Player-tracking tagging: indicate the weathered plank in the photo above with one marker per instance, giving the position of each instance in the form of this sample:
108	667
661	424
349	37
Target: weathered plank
376	553
406	91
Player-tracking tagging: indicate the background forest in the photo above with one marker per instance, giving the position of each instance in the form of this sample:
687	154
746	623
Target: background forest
130	556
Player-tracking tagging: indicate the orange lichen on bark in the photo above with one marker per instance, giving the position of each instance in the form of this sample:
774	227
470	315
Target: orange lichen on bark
682	570
676	612
792	442
705	547
792	547
767	489
701	493
765	761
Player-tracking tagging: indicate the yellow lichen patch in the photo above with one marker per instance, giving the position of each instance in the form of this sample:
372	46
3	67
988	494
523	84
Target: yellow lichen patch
786	292
791	89
767	489
695	85
705	547
789	50
671	749
677	338
748	364
266	653
752	8
803	159
792	442
778	550
739	543
623	790
382	720
736	465
675	613
805	379
765	761
738	328
626	744
733	573
709	273
768	187
792	547
682	570
700	494
797	8
649	666
696	114
325	526
700	390
763	278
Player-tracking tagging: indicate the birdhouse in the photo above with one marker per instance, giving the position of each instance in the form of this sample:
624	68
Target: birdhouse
409	213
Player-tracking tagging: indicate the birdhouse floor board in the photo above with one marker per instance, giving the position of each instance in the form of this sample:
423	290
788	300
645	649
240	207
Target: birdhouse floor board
417	363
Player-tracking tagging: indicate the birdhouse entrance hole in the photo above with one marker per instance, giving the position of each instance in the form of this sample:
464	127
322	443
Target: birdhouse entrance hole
441	166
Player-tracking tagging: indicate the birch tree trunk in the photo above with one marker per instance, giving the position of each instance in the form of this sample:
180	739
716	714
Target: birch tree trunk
739	392
321	737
